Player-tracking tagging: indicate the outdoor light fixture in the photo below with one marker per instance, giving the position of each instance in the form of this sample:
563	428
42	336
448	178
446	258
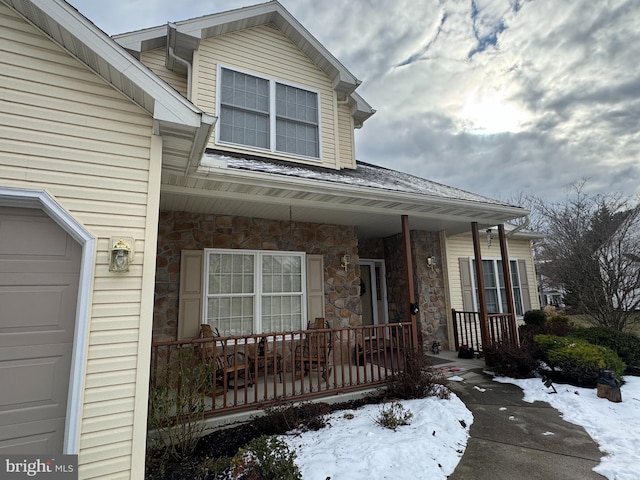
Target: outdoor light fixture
346	260
431	261
414	309
488	237
120	254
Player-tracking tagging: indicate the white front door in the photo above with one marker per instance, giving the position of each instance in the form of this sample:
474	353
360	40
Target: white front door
373	292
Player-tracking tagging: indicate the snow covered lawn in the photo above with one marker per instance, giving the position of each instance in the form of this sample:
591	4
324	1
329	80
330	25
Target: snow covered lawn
432	445
358	448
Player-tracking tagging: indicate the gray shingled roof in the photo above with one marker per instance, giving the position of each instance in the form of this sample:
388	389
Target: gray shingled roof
365	175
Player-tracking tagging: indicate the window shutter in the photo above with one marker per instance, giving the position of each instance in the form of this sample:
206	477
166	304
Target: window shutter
190	296
465	282
315	286
524	285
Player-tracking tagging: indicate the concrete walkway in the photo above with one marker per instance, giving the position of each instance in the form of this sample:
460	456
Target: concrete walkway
512	439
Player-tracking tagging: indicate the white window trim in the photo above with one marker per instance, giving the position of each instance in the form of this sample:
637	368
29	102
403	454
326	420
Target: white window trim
474	287
272	113
257	285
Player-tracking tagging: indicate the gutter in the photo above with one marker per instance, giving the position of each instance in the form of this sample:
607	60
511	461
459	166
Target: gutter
527	221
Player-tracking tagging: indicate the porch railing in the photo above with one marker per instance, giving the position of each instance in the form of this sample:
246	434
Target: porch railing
250	372
467	329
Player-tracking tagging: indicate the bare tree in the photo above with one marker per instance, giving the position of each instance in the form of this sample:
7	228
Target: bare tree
592	250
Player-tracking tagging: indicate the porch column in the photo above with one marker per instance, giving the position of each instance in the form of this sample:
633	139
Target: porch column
482	299
410	285
508	285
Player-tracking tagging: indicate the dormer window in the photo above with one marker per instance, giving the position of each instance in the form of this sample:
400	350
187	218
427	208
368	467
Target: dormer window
265	114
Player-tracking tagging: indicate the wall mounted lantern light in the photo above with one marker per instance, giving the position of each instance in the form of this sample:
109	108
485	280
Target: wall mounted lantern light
431	261
120	254
489	238
346	260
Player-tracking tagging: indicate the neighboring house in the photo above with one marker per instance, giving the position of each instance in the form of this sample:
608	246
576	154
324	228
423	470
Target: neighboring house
257	225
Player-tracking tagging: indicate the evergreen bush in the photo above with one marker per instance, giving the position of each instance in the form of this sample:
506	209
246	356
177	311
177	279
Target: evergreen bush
626	345
578	361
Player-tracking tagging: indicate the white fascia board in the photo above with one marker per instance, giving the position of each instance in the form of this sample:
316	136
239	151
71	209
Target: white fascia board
135	40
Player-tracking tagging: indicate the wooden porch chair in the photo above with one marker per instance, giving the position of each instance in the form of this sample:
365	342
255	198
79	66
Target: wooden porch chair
315	349
232	365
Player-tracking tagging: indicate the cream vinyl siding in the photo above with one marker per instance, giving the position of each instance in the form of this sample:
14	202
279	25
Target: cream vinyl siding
265	51
462	246
346	145
64	130
155	60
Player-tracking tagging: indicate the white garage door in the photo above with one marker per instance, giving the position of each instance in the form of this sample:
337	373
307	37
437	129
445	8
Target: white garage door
39	271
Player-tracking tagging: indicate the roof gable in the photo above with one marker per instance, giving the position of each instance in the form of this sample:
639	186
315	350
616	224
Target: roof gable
184	37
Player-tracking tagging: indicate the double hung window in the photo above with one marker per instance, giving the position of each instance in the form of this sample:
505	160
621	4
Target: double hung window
494	287
249	292
265	114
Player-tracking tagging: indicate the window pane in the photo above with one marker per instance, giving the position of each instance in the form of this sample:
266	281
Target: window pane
231	315
281	313
244	109
492	301
517	290
297	121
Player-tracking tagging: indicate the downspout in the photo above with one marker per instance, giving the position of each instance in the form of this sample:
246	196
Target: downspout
182	61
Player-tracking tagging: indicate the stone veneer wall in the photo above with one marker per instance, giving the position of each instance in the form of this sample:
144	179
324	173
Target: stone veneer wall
430	288
191	231
428	282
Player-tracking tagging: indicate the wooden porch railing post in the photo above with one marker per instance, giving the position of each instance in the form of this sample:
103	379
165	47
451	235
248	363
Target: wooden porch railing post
508	285
410	285
482	300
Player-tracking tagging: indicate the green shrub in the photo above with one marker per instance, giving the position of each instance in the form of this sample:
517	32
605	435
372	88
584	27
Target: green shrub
578	360
265	458
393	415
535	317
626	345
506	360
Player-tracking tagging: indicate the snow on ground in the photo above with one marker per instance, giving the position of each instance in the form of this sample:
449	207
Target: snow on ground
358	448
615	427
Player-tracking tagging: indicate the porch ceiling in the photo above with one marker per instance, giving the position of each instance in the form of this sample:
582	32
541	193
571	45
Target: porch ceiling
374	211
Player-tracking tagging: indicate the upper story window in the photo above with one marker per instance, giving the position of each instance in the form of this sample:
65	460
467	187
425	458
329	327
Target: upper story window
262	113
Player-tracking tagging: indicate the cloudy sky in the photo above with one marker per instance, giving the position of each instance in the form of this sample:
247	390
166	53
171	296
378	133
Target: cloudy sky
498	97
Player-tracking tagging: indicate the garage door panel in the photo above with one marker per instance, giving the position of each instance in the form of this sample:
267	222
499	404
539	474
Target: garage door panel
32	438
38	386
38	308
30	235
39	275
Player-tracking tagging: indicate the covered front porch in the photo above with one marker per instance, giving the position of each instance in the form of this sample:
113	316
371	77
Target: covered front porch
259	255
